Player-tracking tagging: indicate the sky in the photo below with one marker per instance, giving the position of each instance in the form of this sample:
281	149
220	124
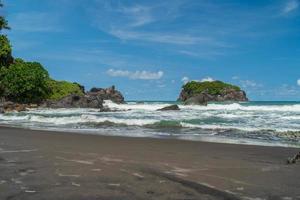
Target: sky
149	49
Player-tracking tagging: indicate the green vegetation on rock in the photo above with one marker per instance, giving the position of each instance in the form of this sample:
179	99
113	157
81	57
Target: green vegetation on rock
24	82
61	89
213	88
5	52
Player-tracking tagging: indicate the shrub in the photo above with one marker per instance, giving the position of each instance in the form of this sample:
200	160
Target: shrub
213	88
5	52
60	89
24	82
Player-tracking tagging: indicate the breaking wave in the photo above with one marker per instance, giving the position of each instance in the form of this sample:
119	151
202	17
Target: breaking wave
258	120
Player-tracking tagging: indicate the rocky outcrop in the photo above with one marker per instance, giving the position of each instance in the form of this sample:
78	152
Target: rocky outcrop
9	106
201	93
108	94
92	99
168	108
76	101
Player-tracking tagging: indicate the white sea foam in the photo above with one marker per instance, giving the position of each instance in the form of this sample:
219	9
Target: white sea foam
134	106
214	117
236	106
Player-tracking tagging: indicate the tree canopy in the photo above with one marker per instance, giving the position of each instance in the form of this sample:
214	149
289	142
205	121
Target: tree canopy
3	21
5	52
24	82
214	87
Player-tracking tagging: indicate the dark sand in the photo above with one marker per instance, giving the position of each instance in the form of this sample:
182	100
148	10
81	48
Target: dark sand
38	165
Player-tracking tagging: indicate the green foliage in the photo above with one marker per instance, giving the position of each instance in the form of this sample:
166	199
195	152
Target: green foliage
24	82
60	89
213	88
3	23
5	52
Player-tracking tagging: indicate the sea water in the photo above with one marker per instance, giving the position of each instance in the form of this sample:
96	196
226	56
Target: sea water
262	123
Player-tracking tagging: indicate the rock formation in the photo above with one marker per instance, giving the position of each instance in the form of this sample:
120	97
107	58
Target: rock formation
168	108
108	94
199	93
92	99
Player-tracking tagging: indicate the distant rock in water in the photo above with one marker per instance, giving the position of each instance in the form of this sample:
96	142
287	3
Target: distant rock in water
92	99
108	94
168	108
199	93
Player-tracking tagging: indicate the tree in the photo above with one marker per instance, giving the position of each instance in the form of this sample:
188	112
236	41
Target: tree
24	82
5	52
3	21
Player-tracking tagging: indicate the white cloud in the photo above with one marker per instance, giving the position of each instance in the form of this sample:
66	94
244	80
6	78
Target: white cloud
290	6
143	75
185	79
298	82
207	79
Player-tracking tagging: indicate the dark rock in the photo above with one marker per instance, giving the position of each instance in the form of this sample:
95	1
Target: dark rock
76	101
106	109
228	93
92	99
200	99
167	108
9	106
108	94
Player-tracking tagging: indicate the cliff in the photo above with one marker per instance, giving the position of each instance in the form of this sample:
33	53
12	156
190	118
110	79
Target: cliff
202	92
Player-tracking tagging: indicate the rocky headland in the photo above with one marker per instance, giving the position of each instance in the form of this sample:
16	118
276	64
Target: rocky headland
90	99
200	93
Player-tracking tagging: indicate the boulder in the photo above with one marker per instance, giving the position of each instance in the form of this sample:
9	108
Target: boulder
20	107
76	101
200	99
2	109
171	107
9	106
108	94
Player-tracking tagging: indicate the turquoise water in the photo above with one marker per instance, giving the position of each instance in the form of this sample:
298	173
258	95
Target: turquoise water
263	123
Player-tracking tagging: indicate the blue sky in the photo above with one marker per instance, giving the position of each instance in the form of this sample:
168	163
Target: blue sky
149	48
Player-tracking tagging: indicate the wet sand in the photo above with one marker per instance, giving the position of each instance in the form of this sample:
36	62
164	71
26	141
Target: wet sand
46	165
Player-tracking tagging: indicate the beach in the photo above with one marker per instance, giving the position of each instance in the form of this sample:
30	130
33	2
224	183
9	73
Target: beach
57	165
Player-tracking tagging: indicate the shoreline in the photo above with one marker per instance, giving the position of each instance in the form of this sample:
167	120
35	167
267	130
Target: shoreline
59	165
229	141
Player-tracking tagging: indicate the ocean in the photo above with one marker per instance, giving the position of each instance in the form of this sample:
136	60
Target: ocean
259	123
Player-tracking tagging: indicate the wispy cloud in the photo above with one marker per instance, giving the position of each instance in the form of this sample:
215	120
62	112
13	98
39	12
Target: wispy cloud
298	82
168	38
142	75
207	79
213	33
138	14
35	22
290	6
